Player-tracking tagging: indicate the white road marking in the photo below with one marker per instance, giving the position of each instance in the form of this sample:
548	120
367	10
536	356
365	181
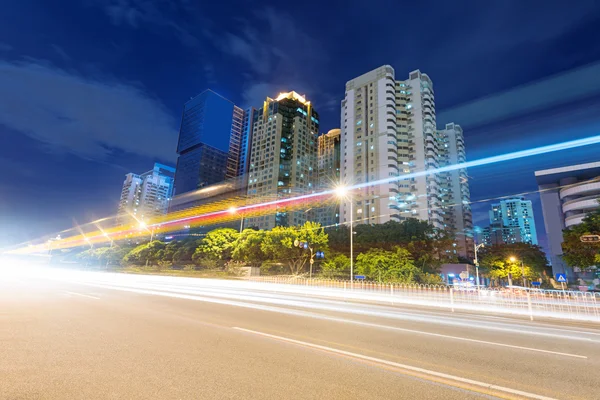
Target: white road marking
401	366
83	295
196	297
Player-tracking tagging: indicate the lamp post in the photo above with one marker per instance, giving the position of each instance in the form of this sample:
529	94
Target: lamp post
477	247
514	259
143	225
342	192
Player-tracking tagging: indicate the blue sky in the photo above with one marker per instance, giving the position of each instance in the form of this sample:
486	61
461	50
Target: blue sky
93	89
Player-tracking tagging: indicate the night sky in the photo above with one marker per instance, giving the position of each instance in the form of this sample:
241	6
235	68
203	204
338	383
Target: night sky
93	89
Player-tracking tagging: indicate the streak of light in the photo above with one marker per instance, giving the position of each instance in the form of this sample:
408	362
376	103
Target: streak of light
220	211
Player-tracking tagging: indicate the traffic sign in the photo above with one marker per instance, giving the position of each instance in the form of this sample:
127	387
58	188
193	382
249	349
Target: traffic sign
590	238
536	283
561	277
359	277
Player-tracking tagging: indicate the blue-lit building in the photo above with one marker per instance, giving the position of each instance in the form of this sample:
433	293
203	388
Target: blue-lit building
210	141
514	219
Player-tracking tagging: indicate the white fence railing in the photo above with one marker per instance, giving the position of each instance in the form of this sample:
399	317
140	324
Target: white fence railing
531	302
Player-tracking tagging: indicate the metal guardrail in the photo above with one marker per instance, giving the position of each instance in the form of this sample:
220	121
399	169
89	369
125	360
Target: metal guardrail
524	301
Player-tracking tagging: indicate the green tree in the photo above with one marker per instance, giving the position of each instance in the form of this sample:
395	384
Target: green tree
386	236
185	251
496	260
336	266
390	266
278	244
433	251
217	245
577	253
248	248
145	252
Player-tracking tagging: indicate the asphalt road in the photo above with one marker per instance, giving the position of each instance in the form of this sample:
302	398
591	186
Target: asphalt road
76	335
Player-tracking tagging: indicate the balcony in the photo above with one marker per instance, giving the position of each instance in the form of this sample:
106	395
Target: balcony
582	204
574	220
583	189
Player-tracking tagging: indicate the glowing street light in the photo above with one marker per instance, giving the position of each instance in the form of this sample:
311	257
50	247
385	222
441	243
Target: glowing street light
342	192
234	210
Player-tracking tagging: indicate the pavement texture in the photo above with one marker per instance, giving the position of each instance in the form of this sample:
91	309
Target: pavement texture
84	335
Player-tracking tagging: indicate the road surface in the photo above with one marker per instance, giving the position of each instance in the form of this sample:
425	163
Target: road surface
77	335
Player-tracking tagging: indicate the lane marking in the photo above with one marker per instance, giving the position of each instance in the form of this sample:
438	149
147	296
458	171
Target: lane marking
411	368
194	296
83	295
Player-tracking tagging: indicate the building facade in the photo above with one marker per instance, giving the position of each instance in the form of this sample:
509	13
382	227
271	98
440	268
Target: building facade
567	194
210	142
389	130
283	156
517	214
328	166
146	196
498	234
454	189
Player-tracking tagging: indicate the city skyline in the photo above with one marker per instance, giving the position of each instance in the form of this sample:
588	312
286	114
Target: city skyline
109	151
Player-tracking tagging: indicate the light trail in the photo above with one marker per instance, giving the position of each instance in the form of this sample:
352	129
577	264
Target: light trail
250	210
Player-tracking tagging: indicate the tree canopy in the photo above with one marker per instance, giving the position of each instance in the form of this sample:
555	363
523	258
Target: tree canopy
501	260
385	265
577	253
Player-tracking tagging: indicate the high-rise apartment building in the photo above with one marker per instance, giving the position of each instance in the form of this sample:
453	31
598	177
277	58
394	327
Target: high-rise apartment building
454	189
146	196
389	130
369	147
328	166
210	142
498	234
283	156
517	214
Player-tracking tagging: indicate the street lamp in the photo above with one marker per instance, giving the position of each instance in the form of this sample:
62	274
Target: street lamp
143	225
233	210
477	247
342	192
513	259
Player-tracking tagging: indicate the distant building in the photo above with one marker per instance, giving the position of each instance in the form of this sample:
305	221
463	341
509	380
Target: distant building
328	165
568	194
283	158
147	195
497	234
513	221
210	142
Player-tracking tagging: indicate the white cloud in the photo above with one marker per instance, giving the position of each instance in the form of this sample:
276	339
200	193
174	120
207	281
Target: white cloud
84	116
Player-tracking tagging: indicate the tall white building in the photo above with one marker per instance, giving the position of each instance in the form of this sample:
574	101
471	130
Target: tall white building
369	148
146	196
283	157
456	197
389	130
